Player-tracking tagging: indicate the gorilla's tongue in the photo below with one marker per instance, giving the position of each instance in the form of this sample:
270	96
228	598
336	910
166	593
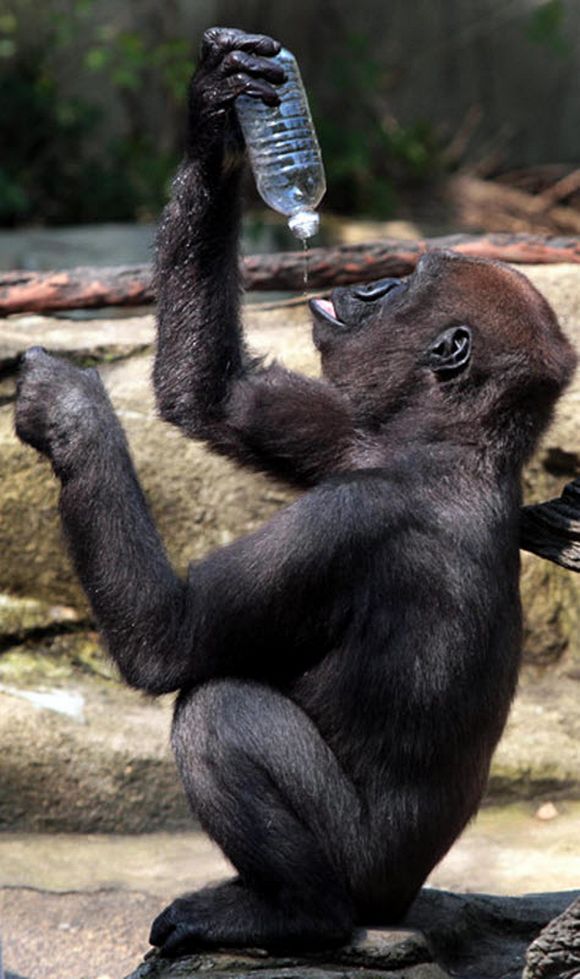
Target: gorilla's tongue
328	307
324	309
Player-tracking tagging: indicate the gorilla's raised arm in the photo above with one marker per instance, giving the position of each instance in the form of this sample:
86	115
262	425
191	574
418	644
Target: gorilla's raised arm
206	384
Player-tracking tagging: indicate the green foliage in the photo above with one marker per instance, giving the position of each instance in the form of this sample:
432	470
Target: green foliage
46	174
53	167
57	167
129	59
370	154
546	26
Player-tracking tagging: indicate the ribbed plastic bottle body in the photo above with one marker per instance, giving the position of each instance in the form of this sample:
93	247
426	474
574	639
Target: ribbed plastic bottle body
283	149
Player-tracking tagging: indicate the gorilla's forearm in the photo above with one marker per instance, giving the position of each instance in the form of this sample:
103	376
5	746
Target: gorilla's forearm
139	602
200	348
199	345
206	384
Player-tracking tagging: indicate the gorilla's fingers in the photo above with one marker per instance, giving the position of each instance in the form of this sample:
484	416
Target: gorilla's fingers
254	88
217	40
237	61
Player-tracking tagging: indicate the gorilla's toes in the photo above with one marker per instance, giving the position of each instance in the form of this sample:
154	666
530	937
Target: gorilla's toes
161	927
175	931
182	940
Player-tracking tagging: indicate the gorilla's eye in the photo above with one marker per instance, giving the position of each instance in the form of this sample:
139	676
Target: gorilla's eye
376	290
450	352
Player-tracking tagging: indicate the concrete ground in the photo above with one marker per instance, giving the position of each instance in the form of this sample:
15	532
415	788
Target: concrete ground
80	906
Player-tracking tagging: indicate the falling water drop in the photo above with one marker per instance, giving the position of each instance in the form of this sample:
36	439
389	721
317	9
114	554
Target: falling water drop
305	247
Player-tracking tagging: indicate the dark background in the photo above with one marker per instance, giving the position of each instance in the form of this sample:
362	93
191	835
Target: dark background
404	94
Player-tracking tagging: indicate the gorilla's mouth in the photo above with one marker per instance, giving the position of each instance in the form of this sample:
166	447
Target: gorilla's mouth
323	309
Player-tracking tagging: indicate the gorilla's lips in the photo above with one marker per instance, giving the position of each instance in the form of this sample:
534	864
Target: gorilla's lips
323	309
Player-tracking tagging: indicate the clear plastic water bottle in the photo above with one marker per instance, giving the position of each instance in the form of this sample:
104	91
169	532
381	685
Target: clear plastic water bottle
284	152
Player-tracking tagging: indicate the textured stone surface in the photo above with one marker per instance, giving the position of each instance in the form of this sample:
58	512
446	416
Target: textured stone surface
85	906
79	338
555	953
468	936
80	752
199	500
481	936
399	954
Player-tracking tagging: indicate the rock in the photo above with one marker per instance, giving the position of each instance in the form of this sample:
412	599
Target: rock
81	753
481	936
22	616
400	954
199	500
93	339
555	954
471	936
537	757
546	812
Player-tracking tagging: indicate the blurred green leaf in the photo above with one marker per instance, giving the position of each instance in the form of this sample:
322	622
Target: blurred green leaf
83	8
13	200
546	26
97	58
7	48
8	23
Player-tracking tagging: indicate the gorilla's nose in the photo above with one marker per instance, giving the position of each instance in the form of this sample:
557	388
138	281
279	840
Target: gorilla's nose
375	290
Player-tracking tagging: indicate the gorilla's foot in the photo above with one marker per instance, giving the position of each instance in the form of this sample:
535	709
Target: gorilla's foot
231	915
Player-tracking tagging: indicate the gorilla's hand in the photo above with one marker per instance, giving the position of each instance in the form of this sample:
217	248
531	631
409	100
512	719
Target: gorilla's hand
61	410
232	63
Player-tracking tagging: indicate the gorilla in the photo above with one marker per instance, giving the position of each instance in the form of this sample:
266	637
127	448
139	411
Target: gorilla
345	672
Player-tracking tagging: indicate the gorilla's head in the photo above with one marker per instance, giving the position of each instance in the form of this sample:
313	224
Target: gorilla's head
461	340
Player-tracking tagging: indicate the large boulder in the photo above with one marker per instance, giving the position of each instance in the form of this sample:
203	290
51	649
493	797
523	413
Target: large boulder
199	500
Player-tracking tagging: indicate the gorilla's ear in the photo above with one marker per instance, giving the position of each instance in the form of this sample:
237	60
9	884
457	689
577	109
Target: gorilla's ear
450	353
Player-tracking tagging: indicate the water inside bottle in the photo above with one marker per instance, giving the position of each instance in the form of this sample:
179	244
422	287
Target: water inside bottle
284	151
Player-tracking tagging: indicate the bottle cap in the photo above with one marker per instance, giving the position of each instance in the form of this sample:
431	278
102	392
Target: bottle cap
304	224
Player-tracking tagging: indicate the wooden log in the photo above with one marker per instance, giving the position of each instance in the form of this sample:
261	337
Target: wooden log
23	291
78	288
552	529
494	205
555	953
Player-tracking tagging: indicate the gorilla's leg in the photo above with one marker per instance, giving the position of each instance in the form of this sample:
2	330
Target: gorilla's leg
269	791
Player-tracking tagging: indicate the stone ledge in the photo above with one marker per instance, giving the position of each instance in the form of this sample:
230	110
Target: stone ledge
467	936
400	954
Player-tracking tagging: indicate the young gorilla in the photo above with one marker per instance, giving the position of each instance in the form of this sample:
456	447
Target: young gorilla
346	671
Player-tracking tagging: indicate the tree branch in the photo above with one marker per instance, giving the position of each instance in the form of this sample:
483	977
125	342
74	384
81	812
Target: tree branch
23	291
552	529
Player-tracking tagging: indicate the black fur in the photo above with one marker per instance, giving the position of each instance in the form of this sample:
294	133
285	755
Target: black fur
345	672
